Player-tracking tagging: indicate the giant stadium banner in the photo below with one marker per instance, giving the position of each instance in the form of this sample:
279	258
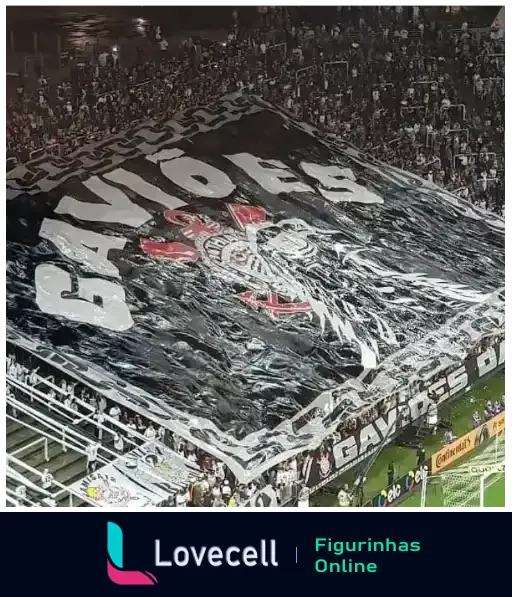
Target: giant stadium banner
245	283
326	463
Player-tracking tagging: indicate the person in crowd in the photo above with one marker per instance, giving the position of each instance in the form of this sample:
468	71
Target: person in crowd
197	497
489	411
91	451
421	455
132	428
303	498
344	499
182	499
46	479
99	419
391	473
477	421
118	443
150	433
449	437
432	417
115	412
226	491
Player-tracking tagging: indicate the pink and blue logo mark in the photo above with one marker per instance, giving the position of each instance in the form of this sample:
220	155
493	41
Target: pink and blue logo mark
115	569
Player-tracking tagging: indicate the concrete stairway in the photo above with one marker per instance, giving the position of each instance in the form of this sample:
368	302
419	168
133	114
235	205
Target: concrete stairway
66	466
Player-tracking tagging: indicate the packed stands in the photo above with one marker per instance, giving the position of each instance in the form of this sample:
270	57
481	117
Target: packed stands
414	93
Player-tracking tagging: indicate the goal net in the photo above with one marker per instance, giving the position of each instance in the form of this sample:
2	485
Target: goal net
467	485
470	484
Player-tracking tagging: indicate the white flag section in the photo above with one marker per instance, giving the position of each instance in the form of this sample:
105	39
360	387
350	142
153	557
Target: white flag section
110	488
158	469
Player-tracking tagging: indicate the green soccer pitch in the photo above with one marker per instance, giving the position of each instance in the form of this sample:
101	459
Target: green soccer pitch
459	412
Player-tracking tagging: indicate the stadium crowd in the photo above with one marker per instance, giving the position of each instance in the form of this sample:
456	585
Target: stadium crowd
398	85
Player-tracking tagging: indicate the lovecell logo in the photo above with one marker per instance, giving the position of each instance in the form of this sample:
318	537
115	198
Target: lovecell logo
115	570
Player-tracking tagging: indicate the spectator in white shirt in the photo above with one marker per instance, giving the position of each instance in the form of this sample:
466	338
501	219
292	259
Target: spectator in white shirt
100	419
220	471
115	412
150	433
92	456
226	490
118	443
46	479
132	428
191	456
68	400
343	498
303	501
217	498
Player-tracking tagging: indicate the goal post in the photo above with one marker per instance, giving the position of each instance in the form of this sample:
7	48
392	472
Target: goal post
488	480
468	484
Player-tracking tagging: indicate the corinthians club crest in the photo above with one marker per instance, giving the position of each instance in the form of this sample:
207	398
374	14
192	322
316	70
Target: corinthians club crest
250	255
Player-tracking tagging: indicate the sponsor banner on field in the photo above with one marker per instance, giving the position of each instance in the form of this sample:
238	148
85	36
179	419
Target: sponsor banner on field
326	463
402	487
108	487
468	442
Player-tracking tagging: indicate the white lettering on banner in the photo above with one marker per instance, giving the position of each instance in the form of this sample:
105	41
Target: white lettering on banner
457	380
164	154
113	313
144	189
334	177
410	409
272	175
357	447
486	361
77	244
196	177
117	208
369	437
393	493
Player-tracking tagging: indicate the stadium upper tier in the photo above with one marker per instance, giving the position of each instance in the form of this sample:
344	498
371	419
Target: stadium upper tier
243	281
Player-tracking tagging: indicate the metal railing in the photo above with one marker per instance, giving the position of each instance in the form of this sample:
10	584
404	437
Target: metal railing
63	488
434	134
484	80
470	155
69	435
